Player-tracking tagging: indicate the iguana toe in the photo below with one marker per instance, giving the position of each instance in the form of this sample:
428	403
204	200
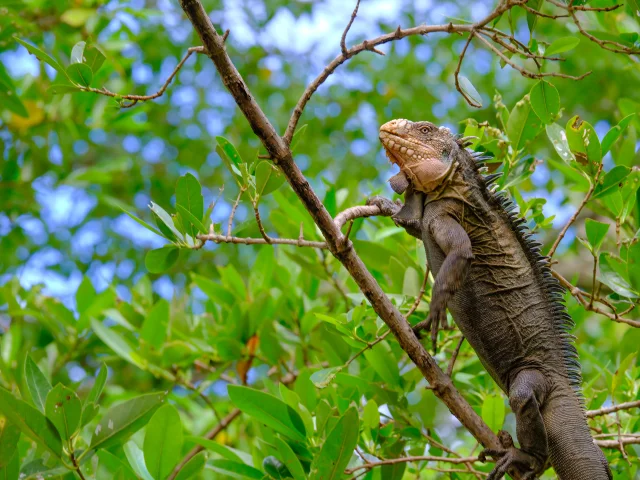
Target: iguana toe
511	458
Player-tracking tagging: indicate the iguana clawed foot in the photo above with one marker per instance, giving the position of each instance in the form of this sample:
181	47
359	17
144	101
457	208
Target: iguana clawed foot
511	457
387	207
436	320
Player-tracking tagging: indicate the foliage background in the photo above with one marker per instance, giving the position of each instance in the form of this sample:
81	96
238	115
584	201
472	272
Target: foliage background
76	293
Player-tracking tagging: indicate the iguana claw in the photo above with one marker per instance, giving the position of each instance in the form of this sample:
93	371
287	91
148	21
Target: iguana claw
387	207
510	457
436	320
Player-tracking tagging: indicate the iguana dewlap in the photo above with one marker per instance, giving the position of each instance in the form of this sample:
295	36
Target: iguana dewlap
499	289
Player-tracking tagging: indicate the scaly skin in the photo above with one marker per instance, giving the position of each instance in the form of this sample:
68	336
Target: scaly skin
501	294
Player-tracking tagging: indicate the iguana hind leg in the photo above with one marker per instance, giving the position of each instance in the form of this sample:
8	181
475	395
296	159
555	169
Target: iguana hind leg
525	395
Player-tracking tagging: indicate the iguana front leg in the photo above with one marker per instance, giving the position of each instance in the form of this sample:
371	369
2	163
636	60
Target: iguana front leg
455	244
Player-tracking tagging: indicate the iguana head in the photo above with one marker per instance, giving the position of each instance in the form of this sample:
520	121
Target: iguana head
421	150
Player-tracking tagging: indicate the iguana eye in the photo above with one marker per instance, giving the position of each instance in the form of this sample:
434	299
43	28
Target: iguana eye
425	130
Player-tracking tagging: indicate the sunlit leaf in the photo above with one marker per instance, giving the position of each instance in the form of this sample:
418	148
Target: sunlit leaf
561	45
269	410
467	87
124	419
545	101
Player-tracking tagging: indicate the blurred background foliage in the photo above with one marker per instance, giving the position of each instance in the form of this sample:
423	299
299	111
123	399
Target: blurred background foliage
76	293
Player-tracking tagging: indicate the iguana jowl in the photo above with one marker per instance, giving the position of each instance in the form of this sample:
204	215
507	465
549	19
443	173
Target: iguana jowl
501	294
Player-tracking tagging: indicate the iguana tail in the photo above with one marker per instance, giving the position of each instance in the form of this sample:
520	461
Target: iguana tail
573	453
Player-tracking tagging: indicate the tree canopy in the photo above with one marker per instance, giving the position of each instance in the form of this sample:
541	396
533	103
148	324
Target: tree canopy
191	283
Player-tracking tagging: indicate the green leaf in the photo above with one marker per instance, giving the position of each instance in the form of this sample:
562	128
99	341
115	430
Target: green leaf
11	101
532	18
559	141
584	144
596	232
269	410
523	124
154	328
323	377
144	224
470	91
297	136
371	416
216	292
235	469
189	196
98	385
124	419
229	150
612	182
237	174
378	358
161	259
290	459
11	471
612	279
62	89
64	409
189	219
166	220
31	422
37	383
193	467
43	57
9	436
621	371
338	447
85	295
493	411
93	57
118	344
545	101
268	178
614	133
135	456
561	45
163	441
110	464
80	74
77	52
77	17
215	447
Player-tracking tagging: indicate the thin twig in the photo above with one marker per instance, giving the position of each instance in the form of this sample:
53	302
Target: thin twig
233	210
213	433
217	238
421	458
468	99
423	287
454	356
143	98
523	71
343	40
580	296
256	213
573	218
613	408
543	15
617	47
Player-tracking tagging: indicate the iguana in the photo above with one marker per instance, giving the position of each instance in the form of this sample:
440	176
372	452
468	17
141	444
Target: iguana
499	289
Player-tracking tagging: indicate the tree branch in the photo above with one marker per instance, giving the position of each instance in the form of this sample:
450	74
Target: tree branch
279	150
613	408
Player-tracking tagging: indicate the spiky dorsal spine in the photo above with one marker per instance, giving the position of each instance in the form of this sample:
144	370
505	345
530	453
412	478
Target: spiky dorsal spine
562	322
